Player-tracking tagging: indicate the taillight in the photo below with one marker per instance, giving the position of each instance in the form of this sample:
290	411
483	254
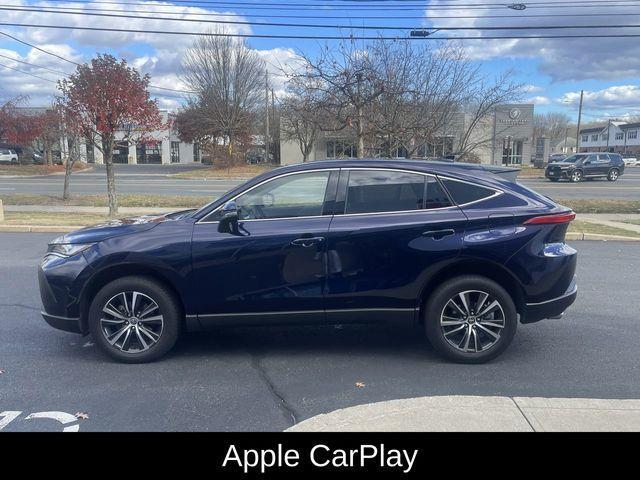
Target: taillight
551	219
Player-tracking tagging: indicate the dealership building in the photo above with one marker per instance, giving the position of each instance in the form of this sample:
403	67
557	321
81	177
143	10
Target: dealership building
505	137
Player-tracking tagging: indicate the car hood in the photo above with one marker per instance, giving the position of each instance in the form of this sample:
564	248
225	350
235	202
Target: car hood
115	228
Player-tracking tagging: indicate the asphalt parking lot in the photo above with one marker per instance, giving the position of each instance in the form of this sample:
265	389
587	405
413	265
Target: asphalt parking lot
269	378
157	179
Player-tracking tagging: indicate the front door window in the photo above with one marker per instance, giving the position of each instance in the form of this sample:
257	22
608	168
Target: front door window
512	151
299	195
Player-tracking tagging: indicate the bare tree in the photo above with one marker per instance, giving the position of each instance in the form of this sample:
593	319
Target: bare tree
554	125
300	124
483	97
345	79
227	78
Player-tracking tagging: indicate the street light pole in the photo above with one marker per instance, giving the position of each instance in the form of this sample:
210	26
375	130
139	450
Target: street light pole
579	122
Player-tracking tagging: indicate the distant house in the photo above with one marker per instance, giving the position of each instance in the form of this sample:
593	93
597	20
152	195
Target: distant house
618	137
567	146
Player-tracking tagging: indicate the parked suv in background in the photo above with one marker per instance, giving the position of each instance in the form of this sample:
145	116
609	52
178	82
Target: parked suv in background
630	160
8	156
582	166
556	157
455	248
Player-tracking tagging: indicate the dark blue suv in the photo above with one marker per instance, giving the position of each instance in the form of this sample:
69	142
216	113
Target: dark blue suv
455	248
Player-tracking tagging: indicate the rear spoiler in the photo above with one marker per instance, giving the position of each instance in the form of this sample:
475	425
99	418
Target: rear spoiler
508	173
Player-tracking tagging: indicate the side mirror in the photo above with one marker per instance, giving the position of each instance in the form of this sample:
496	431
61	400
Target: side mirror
229	221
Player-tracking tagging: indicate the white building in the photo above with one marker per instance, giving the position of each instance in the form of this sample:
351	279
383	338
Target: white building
618	137
164	147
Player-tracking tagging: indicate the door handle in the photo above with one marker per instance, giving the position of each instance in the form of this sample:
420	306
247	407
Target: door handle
439	234
307	241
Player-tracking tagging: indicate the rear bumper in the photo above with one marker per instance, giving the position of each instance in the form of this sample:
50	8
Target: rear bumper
63	323
534	312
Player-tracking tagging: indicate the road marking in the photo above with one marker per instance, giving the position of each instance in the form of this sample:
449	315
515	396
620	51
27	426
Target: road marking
64	418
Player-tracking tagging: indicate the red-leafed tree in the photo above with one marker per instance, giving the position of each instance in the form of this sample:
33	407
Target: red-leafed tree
17	127
109	101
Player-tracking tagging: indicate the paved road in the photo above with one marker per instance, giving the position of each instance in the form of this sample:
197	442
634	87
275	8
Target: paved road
267	378
153	179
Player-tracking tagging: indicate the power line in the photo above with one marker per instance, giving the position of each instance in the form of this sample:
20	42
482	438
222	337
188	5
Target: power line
27	73
515	15
76	63
312	37
307	25
58	72
416	7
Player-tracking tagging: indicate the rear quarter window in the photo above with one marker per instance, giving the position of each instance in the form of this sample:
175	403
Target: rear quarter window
463	192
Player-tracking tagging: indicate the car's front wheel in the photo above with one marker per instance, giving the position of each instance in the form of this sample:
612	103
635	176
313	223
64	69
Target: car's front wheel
135	319
614	174
576	176
470	319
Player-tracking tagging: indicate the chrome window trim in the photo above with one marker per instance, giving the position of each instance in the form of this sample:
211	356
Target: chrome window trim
262	183
383	169
497	191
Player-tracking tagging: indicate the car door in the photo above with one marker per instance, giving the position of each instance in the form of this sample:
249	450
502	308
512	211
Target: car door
391	227
590	165
272	268
602	165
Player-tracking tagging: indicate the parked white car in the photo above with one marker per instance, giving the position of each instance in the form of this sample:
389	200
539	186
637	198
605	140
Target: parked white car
8	156
630	161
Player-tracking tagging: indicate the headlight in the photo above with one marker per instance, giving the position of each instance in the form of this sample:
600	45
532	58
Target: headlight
67	249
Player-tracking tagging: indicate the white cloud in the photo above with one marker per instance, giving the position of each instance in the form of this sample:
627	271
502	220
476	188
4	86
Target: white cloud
532	89
539	100
622	97
560	58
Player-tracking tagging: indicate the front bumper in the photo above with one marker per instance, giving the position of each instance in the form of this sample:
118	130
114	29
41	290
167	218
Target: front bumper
63	323
534	312
562	174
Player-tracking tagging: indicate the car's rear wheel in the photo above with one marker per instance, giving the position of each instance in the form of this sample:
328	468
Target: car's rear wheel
576	176
135	319
614	174
470	319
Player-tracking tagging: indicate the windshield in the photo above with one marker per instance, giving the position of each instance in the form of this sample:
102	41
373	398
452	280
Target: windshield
574	158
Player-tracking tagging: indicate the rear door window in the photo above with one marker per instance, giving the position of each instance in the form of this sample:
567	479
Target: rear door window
371	191
463	192
436	196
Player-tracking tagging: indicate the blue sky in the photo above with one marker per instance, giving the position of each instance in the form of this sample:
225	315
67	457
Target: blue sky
553	69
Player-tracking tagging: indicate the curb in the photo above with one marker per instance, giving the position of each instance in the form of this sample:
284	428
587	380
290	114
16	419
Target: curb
52	174
579	236
39	228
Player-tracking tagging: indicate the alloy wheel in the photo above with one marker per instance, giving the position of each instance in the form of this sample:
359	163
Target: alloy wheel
131	322
472	321
613	175
576	176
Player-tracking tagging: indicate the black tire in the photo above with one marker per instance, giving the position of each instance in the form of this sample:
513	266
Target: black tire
435	308
576	176
167	306
613	175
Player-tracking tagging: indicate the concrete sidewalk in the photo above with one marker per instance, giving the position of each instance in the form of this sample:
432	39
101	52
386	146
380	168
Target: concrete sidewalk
473	413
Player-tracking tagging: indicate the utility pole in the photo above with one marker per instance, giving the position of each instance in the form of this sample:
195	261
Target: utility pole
608	133
266	115
579	122
276	139
566	138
